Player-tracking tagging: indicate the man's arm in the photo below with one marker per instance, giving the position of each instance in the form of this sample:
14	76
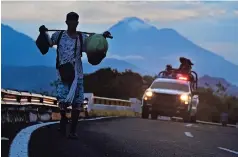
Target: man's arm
53	39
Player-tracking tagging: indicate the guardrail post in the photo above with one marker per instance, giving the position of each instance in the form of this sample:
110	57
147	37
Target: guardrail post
55	102
41	100
29	99
18	98
2	95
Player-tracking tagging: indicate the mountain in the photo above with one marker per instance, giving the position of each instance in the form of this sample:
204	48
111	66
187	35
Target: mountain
120	65
20	50
37	78
133	39
21	59
213	81
158	47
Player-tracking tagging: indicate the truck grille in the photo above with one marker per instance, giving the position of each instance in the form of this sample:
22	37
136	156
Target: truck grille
165	99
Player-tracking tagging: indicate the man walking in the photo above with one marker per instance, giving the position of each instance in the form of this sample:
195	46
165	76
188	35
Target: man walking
70	91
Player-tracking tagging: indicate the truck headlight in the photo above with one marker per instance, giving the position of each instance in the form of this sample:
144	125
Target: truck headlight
149	94
184	97
85	101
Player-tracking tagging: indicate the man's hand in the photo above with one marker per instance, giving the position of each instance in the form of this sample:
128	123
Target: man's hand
107	34
43	29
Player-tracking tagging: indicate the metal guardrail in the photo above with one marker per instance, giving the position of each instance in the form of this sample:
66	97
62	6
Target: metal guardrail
22	106
10	97
110	101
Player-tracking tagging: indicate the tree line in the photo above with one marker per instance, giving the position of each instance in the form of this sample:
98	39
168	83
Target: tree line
111	83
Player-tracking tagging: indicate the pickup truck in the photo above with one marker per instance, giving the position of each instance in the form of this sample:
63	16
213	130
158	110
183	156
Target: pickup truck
171	97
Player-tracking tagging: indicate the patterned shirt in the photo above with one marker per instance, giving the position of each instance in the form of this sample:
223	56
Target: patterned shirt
66	50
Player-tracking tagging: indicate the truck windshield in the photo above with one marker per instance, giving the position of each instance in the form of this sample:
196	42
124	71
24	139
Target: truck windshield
170	85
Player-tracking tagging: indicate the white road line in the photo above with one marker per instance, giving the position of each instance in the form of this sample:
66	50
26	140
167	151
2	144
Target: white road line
19	146
188	134
231	151
98	118
189	125
4	138
164	118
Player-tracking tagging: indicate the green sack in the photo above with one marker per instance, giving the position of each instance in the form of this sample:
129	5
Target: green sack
96	48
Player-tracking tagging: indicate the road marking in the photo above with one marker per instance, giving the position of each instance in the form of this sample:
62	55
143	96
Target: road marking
19	146
4	138
164	118
98	118
231	151
188	134
189	125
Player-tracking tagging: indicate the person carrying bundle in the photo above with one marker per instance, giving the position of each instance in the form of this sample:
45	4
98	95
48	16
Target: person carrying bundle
70	45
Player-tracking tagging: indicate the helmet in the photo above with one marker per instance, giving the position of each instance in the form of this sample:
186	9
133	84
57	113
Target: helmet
182	60
96	48
189	62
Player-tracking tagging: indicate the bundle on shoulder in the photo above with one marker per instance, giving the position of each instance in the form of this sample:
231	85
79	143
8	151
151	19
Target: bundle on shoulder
42	41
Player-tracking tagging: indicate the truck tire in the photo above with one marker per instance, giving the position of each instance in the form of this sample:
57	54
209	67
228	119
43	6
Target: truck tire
186	117
86	114
154	115
193	119
145	113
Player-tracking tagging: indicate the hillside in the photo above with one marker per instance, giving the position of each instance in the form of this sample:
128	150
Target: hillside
213	81
38	78
20	50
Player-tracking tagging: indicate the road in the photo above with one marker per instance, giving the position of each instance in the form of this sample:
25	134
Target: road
134	137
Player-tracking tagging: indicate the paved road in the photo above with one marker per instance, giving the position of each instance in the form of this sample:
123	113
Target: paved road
135	137
8	133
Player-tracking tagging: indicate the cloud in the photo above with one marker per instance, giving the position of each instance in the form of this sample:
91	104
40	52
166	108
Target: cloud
236	12
94	12
129	57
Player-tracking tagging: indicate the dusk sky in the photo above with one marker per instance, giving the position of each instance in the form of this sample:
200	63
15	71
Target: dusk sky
212	25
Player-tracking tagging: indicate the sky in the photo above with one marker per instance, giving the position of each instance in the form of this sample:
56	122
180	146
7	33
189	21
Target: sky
211	25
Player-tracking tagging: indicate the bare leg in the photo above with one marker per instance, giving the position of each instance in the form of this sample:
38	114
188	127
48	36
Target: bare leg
75	117
63	121
76	108
62	91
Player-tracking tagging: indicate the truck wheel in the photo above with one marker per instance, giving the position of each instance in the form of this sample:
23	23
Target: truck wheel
193	119
154	115
86	114
186	117
145	113
224	124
